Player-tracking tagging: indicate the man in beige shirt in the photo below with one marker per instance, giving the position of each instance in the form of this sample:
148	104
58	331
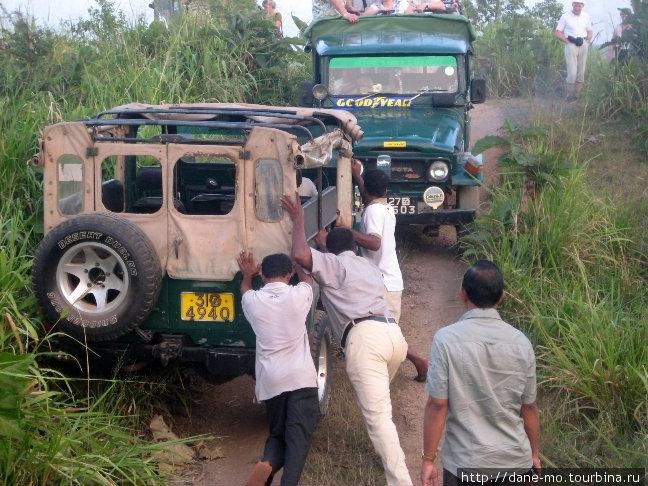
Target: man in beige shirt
482	390
352	293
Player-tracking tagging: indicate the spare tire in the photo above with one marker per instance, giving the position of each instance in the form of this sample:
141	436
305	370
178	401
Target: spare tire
96	277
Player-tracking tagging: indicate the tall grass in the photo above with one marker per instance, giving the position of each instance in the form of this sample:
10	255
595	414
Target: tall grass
576	268
518	56
58	430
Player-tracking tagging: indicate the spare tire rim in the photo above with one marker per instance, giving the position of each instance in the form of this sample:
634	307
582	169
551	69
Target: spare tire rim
322	368
93	278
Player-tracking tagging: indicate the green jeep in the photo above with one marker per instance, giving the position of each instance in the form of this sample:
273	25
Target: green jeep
148	207
407	80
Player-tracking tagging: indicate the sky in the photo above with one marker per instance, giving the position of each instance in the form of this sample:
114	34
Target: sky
604	13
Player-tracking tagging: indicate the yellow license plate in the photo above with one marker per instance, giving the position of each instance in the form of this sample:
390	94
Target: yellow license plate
395	144
196	306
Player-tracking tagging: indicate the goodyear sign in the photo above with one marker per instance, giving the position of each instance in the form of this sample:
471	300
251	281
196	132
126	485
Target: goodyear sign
373	102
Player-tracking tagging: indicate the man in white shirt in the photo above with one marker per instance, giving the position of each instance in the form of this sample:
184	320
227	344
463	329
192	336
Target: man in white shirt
377	242
575	31
286	379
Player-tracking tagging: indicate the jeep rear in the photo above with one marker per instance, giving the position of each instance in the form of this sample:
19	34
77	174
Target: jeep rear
146	210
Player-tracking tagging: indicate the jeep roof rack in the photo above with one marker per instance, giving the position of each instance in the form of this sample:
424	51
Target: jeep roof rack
219	117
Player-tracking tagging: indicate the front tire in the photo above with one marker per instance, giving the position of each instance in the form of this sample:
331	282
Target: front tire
322	353
96	277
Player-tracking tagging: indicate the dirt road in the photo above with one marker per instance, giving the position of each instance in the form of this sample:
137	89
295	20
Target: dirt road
432	273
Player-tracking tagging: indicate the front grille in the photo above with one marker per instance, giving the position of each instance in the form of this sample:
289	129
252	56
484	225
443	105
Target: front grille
408	170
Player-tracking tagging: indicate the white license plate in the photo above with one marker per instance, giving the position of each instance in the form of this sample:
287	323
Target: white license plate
402	204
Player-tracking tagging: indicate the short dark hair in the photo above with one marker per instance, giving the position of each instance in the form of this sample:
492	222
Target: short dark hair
484	284
339	240
376	182
276	265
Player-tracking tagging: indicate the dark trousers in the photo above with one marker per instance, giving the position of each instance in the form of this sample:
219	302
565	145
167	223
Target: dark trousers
291	418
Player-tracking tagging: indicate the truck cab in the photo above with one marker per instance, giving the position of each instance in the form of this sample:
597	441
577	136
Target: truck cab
407	79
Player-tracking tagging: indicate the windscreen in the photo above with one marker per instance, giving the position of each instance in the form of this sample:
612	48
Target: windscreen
392	75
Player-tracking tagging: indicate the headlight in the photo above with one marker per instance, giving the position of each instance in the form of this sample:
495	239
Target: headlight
438	171
320	92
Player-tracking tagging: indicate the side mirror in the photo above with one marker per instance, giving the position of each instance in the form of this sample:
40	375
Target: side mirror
478	90
306	94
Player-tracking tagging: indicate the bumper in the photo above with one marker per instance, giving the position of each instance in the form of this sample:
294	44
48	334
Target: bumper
455	217
218	361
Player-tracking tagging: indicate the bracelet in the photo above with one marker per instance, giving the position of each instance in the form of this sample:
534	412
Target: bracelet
429	458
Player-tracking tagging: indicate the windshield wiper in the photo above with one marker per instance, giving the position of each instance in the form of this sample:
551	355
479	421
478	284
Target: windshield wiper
426	91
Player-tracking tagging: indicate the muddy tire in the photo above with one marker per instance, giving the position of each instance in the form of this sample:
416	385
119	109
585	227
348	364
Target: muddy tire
96	277
322	352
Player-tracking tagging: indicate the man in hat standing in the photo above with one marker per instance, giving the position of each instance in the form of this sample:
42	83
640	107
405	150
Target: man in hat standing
575	31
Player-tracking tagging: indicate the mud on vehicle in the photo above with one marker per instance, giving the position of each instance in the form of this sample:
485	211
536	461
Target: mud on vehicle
408	81
146	209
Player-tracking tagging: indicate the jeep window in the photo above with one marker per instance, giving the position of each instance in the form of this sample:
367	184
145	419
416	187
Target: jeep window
392	74
131	183
268	188
204	184
70	184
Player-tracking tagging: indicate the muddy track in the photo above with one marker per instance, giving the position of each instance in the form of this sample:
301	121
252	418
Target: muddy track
432	271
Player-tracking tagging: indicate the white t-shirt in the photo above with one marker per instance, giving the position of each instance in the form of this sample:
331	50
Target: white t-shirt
575	25
379	219
277	313
307	188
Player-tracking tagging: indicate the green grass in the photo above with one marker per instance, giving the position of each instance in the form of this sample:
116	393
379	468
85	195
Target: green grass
341	452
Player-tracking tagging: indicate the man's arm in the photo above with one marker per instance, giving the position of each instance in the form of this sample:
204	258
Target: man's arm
434	421
370	242
531	418
249	270
356	169
344	11
561	36
302	275
301	252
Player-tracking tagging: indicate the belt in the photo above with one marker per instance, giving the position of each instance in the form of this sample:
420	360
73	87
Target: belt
353	322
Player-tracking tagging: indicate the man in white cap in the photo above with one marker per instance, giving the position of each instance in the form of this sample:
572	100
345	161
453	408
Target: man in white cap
575	31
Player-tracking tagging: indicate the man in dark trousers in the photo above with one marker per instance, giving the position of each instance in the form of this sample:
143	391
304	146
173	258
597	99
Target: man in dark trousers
286	380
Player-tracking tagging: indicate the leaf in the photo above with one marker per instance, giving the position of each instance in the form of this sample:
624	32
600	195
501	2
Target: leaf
523	158
14	378
488	142
534	132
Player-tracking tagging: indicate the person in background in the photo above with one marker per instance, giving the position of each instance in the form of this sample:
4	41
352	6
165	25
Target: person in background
377	242
575	31
386	7
352	292
482	389
329	8
623	39
270	7
435	6
305	186
286	379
